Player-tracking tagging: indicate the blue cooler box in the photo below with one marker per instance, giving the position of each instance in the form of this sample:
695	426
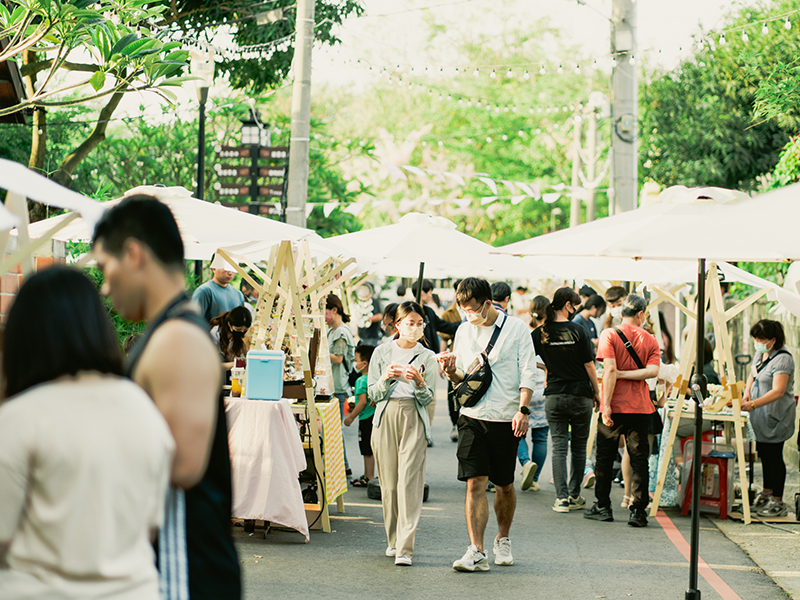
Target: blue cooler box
264	375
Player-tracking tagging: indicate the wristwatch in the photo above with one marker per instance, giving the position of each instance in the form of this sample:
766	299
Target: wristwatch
524	410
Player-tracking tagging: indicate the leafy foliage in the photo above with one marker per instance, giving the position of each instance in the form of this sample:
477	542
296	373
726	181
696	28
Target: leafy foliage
270	68
697	122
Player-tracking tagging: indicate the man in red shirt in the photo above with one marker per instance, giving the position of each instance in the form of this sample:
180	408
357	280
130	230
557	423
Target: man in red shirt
630	355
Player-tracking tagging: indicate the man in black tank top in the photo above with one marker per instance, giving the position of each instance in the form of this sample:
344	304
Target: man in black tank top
139	249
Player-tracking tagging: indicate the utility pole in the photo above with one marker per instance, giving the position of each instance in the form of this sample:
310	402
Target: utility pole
297	192
591	156
575	201
624	105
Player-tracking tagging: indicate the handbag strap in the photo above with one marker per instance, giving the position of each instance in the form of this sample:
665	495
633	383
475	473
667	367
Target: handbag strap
629	348
760	366
493	339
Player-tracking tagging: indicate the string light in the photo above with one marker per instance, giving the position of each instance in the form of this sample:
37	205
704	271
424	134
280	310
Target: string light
765	29
577	69
559	70
509	74
476	73
526	76
745	39
493	75
541	70
722	40
788	24
632	60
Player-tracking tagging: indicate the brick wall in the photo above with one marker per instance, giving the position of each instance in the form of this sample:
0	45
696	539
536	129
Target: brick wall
11	282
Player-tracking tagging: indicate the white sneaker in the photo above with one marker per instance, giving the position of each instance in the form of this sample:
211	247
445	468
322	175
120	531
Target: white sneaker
403	561
390	551
528	471
561	505
473	560
502	552
535	486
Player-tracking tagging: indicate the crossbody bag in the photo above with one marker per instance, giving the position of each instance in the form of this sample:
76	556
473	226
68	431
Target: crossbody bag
478	378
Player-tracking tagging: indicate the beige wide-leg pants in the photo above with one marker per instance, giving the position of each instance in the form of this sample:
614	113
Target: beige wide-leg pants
400	450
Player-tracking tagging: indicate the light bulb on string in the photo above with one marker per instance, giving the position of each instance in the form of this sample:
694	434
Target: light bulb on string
505	138
541	70
745	38
469	141
577	69
493	75
476	72
788	24
521	133
509	74
632	60
559	70
526	76
765	29
722	40
488	140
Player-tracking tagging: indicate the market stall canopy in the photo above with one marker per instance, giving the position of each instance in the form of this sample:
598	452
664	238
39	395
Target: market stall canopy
399	249
684	224
204	226
7	220
19	179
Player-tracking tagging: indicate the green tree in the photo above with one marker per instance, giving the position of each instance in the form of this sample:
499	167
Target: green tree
722	117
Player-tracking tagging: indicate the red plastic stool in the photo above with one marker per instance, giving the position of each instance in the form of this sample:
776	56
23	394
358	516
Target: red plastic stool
708	436
722	501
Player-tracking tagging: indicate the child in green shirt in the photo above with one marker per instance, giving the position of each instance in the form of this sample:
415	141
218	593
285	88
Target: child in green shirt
364	410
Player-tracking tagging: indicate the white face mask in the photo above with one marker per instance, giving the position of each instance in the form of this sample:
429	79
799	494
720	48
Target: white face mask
477	318
410	333
616	312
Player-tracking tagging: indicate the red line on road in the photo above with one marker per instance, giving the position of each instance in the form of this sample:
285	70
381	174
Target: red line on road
675	536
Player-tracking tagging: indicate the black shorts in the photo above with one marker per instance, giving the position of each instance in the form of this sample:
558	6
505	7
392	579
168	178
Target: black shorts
365	436
486	448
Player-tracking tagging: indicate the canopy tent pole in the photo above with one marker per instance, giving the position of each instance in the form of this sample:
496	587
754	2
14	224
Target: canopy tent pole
419	282
699	380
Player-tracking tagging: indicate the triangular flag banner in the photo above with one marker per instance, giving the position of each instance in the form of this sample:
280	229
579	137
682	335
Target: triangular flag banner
510	186
355	208
406	205
435	202
517	199
537	191
533	192
395	172
309	209
490	182
550	198
328	208
463	202
558	187
434	173
579	192
414	170
488	200
455	177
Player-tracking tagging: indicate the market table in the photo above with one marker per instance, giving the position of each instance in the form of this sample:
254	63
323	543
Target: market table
266	459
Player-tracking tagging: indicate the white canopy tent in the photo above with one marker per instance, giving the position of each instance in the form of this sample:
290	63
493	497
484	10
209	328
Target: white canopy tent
204	226
421	243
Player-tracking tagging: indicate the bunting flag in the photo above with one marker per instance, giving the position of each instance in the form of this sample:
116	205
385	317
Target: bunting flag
488	200
550	198
490	183
328	208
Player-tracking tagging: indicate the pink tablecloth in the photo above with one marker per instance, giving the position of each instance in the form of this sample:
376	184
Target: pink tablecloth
266	459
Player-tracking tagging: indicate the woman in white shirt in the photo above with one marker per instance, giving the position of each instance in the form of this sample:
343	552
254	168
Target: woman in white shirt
84	454
402	375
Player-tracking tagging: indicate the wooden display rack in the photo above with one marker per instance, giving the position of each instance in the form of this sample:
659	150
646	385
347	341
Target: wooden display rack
731	389
289	308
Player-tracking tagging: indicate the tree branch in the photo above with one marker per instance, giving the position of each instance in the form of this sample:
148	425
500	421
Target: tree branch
64	173
37	67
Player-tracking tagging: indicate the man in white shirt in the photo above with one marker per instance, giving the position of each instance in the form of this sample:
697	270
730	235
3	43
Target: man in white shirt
489	431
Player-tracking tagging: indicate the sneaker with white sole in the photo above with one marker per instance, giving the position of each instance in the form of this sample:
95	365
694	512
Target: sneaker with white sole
403	561
561	505
502	552
391	551
578	503
528	472
773	509
535	486
473	560
588	478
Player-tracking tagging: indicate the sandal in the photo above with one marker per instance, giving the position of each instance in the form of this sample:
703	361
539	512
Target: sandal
626	501
360	482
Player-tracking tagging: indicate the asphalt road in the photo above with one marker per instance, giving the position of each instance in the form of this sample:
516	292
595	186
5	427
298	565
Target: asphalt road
556	555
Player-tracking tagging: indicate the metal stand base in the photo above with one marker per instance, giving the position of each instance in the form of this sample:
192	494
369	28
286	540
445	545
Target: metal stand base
692	594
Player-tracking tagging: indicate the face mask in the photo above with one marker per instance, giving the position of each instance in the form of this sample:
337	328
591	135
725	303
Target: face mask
616	312
411	333
760	348
476	318
361	366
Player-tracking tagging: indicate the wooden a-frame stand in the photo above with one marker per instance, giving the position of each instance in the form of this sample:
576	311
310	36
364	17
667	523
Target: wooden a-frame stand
731	389
290	297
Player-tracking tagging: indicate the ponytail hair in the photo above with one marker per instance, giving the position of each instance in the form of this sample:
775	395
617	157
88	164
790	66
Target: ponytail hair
333	301
538	311
560	299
